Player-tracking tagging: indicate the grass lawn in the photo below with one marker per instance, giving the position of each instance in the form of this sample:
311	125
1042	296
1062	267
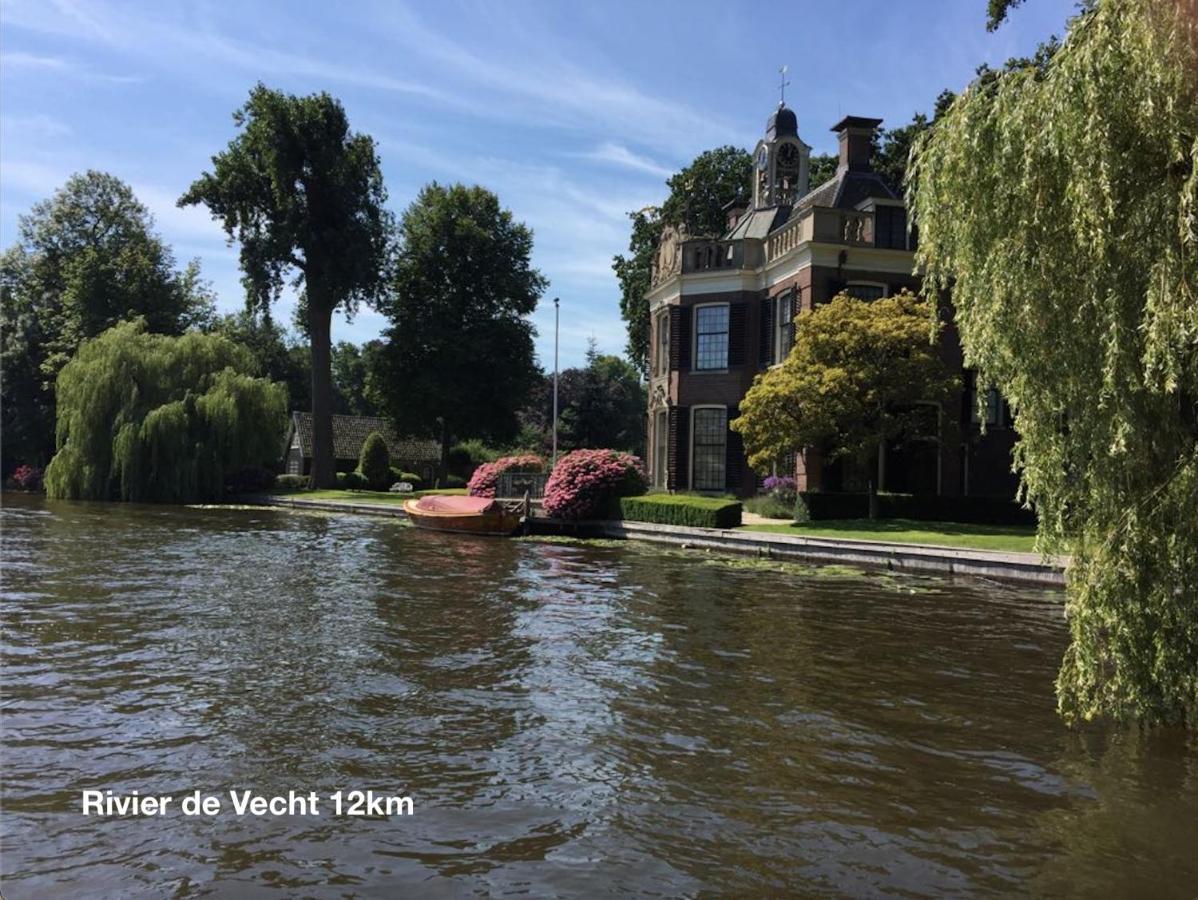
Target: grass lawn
1016	538
383	497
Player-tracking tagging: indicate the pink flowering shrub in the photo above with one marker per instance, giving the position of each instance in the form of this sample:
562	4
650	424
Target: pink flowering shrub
584	483
27	478
486	477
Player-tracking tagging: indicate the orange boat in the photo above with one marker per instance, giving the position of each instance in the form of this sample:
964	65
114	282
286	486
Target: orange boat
467	515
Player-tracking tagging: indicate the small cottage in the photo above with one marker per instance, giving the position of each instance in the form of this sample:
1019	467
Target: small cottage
349	434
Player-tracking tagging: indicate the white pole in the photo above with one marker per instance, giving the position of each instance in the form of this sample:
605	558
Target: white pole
556	319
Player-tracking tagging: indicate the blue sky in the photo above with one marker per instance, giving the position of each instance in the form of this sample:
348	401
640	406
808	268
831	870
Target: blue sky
574	113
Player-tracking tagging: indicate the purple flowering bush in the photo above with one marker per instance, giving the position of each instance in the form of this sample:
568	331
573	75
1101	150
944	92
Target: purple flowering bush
779	484
485	479
583	483
27	478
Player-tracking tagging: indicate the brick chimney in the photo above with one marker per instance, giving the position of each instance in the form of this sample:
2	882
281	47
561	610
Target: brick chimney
856	141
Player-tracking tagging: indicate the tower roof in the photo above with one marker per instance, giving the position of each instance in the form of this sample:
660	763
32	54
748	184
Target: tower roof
783	123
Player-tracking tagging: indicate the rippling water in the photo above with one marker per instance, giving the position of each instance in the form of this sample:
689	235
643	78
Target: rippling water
570	720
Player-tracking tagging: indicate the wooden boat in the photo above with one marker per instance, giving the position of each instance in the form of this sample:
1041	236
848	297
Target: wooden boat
467	515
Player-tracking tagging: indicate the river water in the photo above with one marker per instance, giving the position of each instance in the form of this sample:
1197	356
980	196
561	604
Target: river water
567	720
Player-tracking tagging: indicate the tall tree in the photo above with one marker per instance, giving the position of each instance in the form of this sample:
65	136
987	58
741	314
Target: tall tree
459	360
86	258
356	380
1070	243
304	195
698	195
856	379
152	418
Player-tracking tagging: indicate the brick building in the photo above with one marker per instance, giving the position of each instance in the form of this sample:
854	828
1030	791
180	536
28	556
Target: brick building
723	310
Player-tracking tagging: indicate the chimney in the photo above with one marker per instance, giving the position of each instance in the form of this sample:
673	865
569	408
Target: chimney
856	141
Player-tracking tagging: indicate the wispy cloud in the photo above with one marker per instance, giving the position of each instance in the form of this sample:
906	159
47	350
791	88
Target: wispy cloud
147	32
619	155
62	65
38	127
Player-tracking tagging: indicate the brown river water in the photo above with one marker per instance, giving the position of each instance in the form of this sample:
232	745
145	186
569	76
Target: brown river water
567	720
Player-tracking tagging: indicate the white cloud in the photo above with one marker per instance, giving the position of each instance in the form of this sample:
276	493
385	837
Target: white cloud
63	66
37	127
619	155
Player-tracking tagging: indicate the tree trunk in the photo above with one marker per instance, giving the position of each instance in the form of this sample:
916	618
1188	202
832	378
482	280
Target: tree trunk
443	467
876	486
320	322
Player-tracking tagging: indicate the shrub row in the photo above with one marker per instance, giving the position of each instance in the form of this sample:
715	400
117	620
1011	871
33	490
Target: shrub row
815	507
681	509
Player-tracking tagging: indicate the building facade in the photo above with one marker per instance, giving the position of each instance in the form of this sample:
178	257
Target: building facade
722	310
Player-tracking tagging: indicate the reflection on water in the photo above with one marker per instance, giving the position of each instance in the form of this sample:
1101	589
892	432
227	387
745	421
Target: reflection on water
569	720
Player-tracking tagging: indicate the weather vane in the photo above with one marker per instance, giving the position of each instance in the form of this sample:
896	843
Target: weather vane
782	83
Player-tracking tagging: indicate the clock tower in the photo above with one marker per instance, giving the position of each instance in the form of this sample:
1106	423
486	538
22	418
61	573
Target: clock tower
781	162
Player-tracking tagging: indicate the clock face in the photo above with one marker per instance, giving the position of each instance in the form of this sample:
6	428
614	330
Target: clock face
788	155
763	159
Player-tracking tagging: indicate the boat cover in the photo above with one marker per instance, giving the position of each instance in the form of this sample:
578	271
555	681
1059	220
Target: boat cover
456	504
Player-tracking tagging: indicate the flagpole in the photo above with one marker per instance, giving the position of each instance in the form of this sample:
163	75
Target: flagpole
556	320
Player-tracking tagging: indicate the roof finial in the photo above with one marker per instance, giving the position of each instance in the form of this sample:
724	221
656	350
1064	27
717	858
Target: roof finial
782	83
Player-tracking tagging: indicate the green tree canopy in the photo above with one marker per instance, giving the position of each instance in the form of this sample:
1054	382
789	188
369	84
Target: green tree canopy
358	379
856	378
303	194
600	406
151	418
277	353
459	360
696	201
85	259
1059	202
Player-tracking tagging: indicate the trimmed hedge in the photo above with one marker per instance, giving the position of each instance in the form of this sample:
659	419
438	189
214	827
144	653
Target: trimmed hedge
817	507
681	509
291	482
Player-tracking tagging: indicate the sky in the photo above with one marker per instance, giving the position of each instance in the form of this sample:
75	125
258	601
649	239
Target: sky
574	113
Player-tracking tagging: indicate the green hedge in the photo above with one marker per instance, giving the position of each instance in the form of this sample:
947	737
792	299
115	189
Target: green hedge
681	509
816	507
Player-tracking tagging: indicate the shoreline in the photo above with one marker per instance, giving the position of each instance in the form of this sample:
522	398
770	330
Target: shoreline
1023	568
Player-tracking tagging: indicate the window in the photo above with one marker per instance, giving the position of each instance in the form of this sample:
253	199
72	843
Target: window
711	337
992	414
662	361
661	451
865	290
709	447
890	227
785	337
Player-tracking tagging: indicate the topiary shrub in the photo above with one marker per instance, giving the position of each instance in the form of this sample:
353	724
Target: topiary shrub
374	464
584	483
28	478
452	481
354	481
682	509
294	482
486	477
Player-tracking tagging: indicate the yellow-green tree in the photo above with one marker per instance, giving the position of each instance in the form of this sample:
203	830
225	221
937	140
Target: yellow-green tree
1059	202
152	418
858	376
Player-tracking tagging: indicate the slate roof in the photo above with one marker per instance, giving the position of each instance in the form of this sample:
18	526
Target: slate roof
350	433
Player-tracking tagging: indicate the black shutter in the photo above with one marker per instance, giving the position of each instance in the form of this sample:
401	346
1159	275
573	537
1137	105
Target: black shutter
738	326
680	338
765	346
734	461
679	443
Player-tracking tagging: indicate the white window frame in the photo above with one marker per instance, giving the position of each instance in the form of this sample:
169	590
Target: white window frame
877	284
695	336
661	449
796	301
691	448
662	342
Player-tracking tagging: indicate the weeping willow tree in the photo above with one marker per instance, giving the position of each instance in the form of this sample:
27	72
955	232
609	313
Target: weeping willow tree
151	418
1059	203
